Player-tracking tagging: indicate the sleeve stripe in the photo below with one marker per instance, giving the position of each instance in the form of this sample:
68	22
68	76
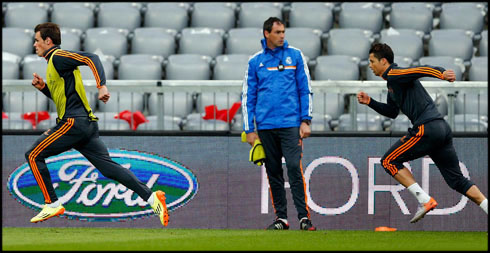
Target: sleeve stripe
83	59
424	70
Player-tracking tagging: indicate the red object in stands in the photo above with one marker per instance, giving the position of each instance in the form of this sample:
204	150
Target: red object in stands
31	117
4	115
134	119
226	115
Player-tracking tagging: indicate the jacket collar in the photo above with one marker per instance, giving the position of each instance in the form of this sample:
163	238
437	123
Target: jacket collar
385	74
265	48
49	52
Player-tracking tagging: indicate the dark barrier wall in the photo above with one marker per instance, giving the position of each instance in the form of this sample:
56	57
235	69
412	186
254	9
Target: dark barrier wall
347	187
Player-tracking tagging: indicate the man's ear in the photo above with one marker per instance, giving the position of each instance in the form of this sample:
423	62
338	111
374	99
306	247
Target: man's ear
384	61
48	41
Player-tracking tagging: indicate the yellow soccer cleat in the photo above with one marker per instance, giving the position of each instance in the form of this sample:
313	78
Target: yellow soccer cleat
47	213
159	207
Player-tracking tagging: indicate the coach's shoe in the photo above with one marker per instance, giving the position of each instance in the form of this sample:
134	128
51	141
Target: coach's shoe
159	206
423	209
47	213
305	224
278	225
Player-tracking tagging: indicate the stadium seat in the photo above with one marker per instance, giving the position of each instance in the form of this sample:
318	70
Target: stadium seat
479	69
412	15
203	41
170	15
74	15
404	42
364	109
15	121
107	64
365	122
328	104
121	101
195	122
168	123
10	66
71	39
108	122
18	41
446	62
465	16
140	67
471	103
306	39
218	15
349	41
321	123
237	123
244	41
469	123
188	67
253	14
29	101
153	40
122	15
367	16
26	14
33	64
230	67
336	67
313	15
451	42
400	124
109	40
401	61
175	104
483	46
222	100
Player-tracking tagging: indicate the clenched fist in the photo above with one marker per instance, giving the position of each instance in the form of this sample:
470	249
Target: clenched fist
363	98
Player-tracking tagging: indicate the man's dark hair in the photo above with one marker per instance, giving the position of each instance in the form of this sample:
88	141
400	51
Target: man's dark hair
382	51
269	23
51	30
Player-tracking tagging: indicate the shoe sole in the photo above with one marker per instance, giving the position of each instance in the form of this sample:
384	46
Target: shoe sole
161	197
60	212
424	213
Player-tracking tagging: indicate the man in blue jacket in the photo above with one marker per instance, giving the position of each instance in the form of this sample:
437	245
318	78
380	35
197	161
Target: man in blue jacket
277	97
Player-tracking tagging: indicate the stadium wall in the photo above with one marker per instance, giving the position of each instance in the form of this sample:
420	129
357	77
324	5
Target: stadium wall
347	187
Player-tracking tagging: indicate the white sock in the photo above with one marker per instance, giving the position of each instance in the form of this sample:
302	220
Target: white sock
420	194
54	204
484	206
151	199
283	220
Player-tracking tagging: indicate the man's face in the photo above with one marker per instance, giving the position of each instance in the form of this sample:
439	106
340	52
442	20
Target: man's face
377	66
41	45
275	38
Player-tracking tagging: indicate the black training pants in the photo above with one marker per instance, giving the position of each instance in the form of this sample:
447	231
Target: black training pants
81	134
278	143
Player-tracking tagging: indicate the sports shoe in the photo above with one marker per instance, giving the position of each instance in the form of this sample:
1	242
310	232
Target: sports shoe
159	207
423	209
47	213
305	224
278	225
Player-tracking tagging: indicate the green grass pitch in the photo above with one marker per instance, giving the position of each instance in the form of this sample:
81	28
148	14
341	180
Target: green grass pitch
228	239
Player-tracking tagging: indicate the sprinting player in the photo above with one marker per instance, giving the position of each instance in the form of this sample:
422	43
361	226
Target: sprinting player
76	123
430	134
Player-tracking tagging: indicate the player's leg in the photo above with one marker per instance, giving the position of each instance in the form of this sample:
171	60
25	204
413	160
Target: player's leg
273	167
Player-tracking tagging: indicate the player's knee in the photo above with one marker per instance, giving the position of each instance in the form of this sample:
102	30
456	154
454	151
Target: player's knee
460	185
389	167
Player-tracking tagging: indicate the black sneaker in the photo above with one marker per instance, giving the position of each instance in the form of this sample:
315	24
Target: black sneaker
278	225
305	224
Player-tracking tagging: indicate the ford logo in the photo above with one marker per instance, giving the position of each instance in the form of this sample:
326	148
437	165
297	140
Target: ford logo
87	195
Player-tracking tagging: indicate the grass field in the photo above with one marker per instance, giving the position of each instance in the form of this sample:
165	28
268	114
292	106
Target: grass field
225	239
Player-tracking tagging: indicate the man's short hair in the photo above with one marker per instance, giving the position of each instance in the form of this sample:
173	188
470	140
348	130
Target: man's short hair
381	51
269	23
51	30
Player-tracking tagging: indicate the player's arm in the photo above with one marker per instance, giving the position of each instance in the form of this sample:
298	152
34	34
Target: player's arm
406	75
249	101
389	109
38	82
305	95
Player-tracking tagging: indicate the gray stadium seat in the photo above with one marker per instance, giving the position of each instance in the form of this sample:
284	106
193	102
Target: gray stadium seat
253	14
336	67
321	123
404	42
365	122
230	67
107	64
167	15
153	40
18	41
483	46
188	67
237	124
26	14
203	41
349	41
412	15
471	103
168	123
466	16
446	62
400	124
33	64
74	15
29	101
10	66
109	40
479	69
140	67
123	15
244	40
367	16
108	122
313	15
194	122
469	123
401	61
175	104
363	109
121	101
218	15
222	100
451	42
331	104
15	121
71	39
306	39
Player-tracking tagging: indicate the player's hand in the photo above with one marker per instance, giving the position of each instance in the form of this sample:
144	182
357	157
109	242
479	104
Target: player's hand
304	130
251	137
449	75
104	94
38	81
363	98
